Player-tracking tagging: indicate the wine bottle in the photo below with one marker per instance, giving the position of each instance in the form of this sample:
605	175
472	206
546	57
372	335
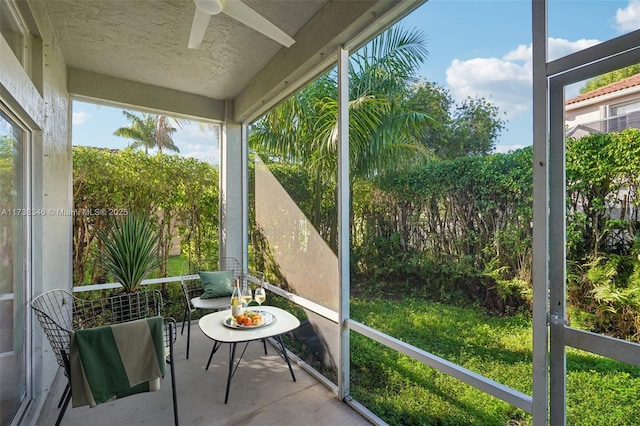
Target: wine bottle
236	300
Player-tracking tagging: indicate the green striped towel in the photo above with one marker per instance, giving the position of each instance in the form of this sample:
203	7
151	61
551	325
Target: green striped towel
115	361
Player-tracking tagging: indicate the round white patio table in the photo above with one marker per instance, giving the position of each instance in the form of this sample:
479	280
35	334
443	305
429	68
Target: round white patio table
212	325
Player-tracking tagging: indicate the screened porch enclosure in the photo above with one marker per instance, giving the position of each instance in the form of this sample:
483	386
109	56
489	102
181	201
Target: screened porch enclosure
135	55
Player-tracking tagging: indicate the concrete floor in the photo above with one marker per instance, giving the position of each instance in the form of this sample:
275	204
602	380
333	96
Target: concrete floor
262	393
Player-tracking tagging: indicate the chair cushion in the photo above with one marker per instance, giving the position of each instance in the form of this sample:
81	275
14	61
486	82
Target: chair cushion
216	284
211	304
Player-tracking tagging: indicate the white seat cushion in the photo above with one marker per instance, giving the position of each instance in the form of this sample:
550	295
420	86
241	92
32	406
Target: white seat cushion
210	304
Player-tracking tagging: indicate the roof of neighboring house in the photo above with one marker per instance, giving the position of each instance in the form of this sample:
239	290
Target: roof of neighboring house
616	86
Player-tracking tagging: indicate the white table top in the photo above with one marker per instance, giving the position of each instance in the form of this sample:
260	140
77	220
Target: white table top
212	326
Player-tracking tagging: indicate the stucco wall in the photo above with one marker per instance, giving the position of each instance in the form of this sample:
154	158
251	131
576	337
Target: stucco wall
587	114
46	111
595	109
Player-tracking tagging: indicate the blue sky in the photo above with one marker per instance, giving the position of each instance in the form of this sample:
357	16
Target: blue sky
93	125
476	48
483	48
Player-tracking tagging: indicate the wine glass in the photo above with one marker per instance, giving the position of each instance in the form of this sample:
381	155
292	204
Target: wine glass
260	295
246	296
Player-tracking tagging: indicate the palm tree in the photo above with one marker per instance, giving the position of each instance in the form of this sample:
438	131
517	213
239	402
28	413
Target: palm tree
150	131
303	129
164	134
382	129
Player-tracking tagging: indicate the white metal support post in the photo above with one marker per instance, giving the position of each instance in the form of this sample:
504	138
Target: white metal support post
557	256
244	138
562	72
343	219
232	181
550	78
540	214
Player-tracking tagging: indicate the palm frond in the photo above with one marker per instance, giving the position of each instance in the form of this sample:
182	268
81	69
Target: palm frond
303	129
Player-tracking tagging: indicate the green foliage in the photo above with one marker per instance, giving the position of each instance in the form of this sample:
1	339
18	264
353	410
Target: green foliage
405	392
476	207
129	250
602	193
459	231
468	128
10	198
605	296
461	227
178	195
610	77
303	129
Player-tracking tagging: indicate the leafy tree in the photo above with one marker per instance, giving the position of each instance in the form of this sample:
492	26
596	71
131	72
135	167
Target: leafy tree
436	102
149	131
603	196
141	130
610	77
467	128
303	129
7	170
476	126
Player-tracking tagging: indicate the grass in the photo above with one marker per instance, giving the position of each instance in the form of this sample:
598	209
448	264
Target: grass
405	392
174	265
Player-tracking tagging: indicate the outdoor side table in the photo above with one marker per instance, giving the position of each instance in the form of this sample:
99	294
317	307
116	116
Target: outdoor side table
212	325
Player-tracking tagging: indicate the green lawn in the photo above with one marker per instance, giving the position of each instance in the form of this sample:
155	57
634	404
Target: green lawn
405	392
174	265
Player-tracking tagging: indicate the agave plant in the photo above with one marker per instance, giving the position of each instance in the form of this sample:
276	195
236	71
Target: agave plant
130	250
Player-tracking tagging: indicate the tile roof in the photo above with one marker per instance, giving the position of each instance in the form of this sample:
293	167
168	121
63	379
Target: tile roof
616	86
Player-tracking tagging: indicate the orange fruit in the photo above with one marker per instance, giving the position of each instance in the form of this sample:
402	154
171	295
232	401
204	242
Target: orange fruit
240	319
247	321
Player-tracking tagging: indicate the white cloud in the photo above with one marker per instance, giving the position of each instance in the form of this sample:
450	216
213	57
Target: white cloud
628	19
210	154
193	129
79	118
197	143
559	47
507	81
504	83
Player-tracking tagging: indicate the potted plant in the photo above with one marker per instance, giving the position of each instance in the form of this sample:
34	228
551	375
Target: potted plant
129	250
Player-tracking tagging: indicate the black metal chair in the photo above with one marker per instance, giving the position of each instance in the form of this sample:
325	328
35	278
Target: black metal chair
59	313
54	310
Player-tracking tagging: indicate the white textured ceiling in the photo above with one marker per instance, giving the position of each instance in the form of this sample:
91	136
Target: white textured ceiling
134	52
146	41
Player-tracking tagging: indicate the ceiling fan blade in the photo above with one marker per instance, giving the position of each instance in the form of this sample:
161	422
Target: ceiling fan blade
243	13
198	28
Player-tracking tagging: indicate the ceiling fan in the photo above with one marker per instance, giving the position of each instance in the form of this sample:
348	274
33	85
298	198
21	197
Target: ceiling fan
238	11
